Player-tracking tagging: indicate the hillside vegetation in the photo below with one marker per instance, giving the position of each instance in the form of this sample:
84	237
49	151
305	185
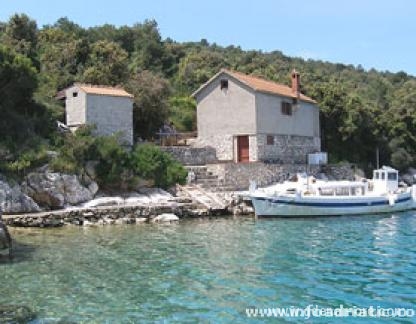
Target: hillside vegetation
360	110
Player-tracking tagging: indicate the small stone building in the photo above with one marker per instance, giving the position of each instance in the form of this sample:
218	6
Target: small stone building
109	109
248	119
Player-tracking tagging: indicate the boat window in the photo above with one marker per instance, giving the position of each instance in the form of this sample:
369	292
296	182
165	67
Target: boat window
326	191
376	176
392	176
383	176
357	191
342	191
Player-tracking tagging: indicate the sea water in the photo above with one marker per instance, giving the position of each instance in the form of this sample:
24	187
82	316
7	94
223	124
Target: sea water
211	270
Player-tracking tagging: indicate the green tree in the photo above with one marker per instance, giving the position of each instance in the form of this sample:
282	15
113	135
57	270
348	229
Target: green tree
149	52
196	68
106	64
21	35
17	84
400	120
62	56
182	113
151	109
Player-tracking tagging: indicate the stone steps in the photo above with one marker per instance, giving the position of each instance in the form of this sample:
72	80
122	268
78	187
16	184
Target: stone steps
202	196
207	180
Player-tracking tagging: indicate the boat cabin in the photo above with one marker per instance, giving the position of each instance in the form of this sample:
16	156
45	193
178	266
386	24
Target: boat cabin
341	188
385	180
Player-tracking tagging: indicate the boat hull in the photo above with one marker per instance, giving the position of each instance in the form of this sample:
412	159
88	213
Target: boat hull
300	206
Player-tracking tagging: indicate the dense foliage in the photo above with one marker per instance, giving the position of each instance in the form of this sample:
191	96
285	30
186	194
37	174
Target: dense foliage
114	166
360	110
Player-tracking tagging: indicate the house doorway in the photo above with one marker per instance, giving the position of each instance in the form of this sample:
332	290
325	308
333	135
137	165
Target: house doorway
243	152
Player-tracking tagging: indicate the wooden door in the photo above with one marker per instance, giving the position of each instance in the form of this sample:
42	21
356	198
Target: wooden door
243	149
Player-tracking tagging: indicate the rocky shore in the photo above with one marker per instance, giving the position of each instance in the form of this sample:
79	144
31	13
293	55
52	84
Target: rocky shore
107	215
48	199
5	240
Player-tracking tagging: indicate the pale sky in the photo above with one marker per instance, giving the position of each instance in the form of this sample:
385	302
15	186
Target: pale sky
372	33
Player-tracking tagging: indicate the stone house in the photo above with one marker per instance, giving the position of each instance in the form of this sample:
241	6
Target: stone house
109	109
248	119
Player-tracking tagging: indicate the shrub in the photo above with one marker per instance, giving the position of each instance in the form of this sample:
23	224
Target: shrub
116	167
149	162
75	150
18	161
113	170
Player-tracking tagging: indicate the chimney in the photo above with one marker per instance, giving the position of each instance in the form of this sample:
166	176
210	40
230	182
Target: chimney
296	83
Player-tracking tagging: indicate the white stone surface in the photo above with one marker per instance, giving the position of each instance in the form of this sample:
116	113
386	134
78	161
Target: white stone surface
146	196
165	218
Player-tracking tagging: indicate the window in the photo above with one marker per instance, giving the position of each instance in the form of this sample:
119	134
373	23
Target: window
286	108
326	191
391	176
376	176
342	191
75	94
270	140
224	84
383	175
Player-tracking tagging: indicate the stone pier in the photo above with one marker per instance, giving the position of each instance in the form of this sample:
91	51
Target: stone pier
129	214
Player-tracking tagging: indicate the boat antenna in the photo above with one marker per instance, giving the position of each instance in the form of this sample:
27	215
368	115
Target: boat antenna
377	157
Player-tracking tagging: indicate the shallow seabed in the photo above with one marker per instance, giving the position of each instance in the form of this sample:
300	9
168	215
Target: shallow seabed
211	270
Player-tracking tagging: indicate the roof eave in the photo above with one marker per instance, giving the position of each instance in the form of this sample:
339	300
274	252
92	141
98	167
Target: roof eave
234	76
310	100
202	87
130	96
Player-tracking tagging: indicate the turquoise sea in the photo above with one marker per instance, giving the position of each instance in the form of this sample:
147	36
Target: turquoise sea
210	271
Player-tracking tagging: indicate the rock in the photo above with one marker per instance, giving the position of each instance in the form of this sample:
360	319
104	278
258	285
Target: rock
5	240
13	200
55	190
164	218
87	223
90	169
16	314
93	188
109	221
124	221
104	201
74	193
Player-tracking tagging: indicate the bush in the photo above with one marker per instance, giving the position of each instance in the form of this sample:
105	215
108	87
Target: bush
17	162
75	151
150	163
113	170
116	167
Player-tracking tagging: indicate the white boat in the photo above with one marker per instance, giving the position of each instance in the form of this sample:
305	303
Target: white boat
310	197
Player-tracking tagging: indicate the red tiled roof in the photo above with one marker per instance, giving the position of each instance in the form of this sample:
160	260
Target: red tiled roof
261	85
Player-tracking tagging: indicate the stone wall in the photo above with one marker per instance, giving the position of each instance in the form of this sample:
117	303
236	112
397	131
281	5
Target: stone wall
192	155
286	148
223	145
239	175
111	115
103	215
